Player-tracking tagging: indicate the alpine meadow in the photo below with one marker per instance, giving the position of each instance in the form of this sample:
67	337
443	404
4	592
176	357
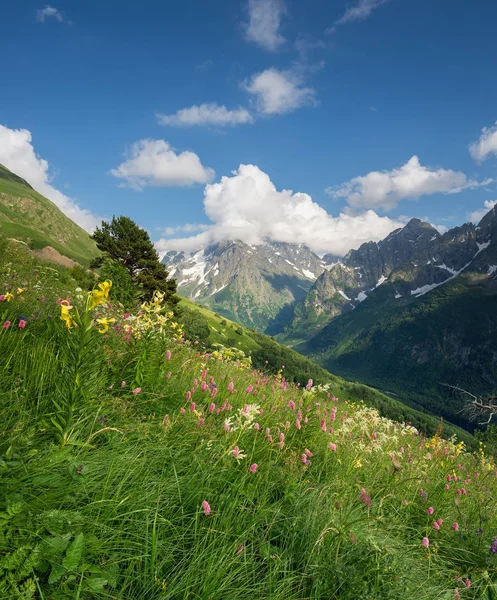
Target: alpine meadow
248	300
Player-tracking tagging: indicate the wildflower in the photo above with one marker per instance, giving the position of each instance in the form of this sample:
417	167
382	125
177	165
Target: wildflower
365	498
332	447
425	543
65	315
239	550
436	526
206	508
22	324
291	404
214	393
136	391
493	547
2	297
99	296
193	406
226	426
249	389
430	510
123	384
19	291
357	464
253	468
440	521
308	453
168	375
257	426
309	384
457	595
182	410
297	424
236	451
455	526
168	355
188	396
104	323
467	582
212	407
304	459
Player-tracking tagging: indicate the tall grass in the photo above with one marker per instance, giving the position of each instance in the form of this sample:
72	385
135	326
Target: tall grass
115	510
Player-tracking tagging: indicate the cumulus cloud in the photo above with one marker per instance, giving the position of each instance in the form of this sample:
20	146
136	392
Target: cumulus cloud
486	144
49	12
155	163
264	23
477	215
247	206
18	154
278	92
207	114
384	189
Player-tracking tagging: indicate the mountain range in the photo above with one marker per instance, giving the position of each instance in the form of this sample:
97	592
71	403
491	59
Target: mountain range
405	314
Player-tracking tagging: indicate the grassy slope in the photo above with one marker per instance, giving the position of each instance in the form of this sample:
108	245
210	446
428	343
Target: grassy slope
117	512
27	215
410	349
299	368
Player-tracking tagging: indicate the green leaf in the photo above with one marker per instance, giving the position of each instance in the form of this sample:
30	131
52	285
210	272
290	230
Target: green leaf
74	552
57	572
96	584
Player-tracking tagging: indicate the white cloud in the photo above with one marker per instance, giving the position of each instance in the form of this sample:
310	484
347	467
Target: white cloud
207	114
477	215
247	206
155	163
360	11
384	189
48	12
186	228
486	144
264	23
278	92
18	155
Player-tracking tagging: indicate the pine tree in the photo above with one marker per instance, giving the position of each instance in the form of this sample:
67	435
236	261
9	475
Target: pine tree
123	241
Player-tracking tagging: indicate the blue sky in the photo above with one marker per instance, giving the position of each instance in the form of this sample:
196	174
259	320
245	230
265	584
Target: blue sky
330	99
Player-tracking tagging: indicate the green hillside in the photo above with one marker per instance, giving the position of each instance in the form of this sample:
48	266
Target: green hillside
268	354
28	216
448	336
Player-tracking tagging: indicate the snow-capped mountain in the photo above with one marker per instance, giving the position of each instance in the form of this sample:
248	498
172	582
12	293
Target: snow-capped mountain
252	284
407	264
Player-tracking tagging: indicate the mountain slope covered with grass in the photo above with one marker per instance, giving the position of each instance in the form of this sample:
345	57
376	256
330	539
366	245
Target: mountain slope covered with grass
135	464
28	216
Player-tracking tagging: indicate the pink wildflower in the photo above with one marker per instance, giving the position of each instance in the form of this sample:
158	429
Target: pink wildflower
425	543
201	422
436	526
297	424
253	468
136	391
226	426
308	453
182	410
204	374
231	386
455	526
203	386
214	392
457	595
212	407
257	426
431	510
22	324
236	451
206	508
168	375
467	583
6	325
188	396
304	459
309	384
447	487
332	447
240	550
440	521
193	406
249	389
168	355
291	404
323	425
365	498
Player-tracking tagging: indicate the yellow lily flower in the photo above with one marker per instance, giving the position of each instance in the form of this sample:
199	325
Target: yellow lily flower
65	314
104	324
9	296
105	287
19	291
99	296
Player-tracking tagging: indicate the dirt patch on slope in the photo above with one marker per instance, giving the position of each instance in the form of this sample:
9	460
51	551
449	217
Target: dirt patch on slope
50	254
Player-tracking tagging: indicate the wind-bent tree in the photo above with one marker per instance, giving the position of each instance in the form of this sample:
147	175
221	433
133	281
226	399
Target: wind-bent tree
123	241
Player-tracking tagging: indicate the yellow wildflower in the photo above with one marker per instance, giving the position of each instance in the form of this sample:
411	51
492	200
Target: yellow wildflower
65	314
99	296
104	324
9	296
357	464
19	291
